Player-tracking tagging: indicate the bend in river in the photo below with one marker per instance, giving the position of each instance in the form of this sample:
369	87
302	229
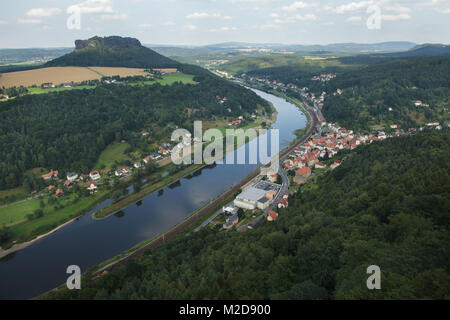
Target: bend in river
86	242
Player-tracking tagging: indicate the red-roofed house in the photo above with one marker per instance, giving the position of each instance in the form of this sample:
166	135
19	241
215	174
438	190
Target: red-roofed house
272	216
51	174
95	175
92	186
305	172
283	203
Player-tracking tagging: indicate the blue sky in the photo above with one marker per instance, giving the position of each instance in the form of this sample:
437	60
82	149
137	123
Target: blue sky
43	23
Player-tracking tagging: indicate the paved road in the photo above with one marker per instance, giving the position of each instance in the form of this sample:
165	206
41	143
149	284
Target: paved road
206	210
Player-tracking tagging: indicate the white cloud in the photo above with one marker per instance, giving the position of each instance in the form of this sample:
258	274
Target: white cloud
168	23
395	17
202	15
145	25
441	6
396	8
3	22
228	18
29	21
94	6
117	16
298	5
351	7
42	12
296	18
190	27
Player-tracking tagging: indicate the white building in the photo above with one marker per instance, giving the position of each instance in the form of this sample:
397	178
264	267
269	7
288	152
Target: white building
252	198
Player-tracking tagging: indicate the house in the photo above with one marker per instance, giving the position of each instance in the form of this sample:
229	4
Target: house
320	165
138	165
59	193
272	176
51	174
144	133
231	221
283	203
4	96
339	91
230	210
67	183
418	103
272	216
305	172
72	176
336	164
146	160
95	175
118	173
50	188
155	156
92	186
394	126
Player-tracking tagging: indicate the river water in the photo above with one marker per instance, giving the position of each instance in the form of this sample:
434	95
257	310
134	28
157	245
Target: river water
87	242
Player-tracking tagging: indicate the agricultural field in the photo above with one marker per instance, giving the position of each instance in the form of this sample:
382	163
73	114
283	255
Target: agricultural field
171	78
57	75
113	153
117	71
39	90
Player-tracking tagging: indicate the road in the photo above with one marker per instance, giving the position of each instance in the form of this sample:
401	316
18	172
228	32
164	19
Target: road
207	209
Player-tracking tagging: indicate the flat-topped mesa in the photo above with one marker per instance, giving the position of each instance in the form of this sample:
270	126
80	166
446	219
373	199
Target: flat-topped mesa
111	42
112	51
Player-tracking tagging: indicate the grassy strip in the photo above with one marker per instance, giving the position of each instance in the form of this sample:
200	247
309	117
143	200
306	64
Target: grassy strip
29	230
147	189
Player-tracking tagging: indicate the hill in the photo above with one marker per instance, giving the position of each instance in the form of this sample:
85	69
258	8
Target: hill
422	50
385	93
386	205
112	52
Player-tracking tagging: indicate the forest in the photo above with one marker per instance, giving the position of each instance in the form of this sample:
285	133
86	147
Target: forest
386	205
368	93
68	130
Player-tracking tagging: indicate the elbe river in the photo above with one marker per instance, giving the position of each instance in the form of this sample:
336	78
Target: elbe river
86	242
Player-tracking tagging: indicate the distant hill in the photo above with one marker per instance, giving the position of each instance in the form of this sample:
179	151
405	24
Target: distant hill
112	52
423	50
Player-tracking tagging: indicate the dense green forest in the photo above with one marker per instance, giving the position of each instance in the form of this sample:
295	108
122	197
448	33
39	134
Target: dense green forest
68	130
368	93
388	204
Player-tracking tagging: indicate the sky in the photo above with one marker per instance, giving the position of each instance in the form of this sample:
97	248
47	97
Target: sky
58	23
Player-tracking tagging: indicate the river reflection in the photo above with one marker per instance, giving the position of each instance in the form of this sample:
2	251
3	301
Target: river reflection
86	242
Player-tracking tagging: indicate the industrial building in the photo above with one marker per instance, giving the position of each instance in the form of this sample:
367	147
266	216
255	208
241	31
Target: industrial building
258	196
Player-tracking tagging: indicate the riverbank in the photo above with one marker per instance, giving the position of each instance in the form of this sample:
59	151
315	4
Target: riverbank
148	189
23	245
205	211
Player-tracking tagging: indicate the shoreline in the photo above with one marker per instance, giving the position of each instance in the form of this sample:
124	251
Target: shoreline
187	222
19	246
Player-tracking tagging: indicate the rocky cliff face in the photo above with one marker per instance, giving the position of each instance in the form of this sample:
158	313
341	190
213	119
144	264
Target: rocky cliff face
111	42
